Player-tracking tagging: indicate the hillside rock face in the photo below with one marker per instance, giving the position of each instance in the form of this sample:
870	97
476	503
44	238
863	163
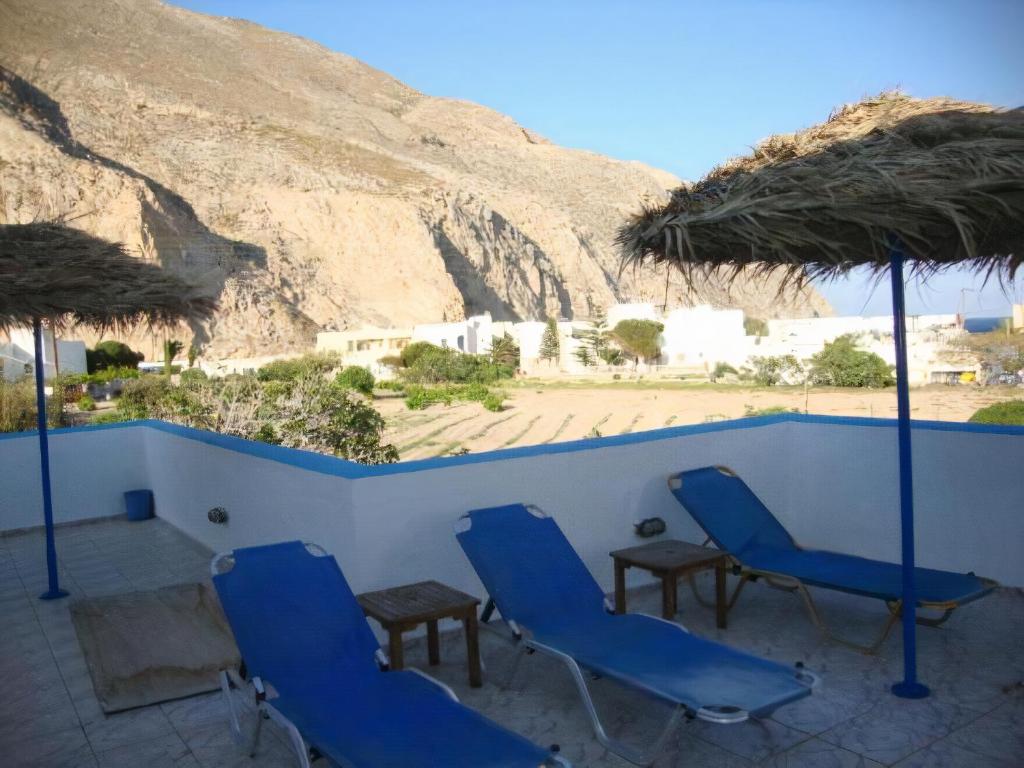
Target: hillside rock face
305	189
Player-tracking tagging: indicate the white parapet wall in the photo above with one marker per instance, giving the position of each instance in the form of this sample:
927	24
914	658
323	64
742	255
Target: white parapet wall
831	481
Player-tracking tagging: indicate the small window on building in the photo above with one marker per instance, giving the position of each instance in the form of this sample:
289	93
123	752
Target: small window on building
461	341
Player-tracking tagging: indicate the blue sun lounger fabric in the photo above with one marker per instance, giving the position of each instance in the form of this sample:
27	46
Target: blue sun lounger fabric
299	627
737	521
537	579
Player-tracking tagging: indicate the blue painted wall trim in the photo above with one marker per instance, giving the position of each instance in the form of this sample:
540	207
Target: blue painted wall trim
316	462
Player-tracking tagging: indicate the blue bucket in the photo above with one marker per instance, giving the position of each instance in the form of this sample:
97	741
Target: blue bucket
139	504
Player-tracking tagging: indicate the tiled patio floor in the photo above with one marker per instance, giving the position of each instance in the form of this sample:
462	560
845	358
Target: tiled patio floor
49	715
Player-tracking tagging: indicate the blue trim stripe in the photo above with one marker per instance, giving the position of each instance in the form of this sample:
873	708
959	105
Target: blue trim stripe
330	465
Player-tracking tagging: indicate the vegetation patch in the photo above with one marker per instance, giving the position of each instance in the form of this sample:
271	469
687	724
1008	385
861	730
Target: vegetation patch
1009	412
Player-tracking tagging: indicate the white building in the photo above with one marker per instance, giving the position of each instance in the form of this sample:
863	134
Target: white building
698	337
17	355
472	335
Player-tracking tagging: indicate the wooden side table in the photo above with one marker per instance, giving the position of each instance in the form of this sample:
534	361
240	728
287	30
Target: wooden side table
403	608
670	560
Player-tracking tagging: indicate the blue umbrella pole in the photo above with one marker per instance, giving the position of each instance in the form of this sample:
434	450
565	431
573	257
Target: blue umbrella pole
908	687
44	465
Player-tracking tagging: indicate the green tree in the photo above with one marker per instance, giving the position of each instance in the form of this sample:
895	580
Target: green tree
193	353
841	363
773	370
754	326
594	344
171	349
584	356
111	354
641	339
505	351
550	349
357	378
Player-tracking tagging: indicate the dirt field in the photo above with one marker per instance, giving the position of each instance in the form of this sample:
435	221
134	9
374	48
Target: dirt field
545	413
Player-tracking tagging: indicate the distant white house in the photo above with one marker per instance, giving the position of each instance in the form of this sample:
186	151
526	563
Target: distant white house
366	346
472	335
17	355
699	337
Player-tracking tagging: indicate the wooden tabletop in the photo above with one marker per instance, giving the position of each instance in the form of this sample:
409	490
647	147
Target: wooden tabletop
420	602
668	555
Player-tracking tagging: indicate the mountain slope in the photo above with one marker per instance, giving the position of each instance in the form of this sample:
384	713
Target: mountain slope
303	187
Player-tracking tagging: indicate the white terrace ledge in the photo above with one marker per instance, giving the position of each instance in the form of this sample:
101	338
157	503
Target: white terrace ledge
831	481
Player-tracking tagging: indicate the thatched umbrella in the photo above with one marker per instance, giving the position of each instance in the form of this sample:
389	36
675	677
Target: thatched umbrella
50	272
889	181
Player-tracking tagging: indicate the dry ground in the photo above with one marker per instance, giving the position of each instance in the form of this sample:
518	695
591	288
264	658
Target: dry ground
546	412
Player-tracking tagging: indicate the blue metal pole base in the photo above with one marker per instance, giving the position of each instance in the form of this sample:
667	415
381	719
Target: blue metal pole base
53	594
912	690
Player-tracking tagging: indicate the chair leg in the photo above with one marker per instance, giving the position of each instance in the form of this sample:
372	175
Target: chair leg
632	754
298	743
229	701
254	741
870	649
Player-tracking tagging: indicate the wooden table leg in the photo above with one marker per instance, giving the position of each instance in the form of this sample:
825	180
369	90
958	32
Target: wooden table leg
721	609
620	587
473	648
395	659
433	647
668	595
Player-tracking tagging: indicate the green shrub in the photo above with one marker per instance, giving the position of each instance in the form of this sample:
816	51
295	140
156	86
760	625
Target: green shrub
771	410
356	378
86	403
107	375
494	402
111	354
192	375
418	397
292	368
18	405
1007	412
140	398
841	364
436	365
390	384
769	371
411	353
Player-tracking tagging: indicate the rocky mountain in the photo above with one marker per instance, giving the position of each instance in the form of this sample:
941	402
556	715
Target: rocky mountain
304	188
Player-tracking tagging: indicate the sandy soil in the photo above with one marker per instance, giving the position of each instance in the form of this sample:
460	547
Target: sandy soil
545	413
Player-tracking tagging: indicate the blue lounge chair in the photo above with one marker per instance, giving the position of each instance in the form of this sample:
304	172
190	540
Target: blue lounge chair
736	520
317	670
552	604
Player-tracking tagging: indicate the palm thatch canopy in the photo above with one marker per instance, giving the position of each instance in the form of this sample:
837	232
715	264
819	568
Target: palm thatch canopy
53	272
943	177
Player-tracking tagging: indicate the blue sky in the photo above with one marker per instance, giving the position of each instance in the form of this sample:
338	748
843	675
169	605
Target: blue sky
682	85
